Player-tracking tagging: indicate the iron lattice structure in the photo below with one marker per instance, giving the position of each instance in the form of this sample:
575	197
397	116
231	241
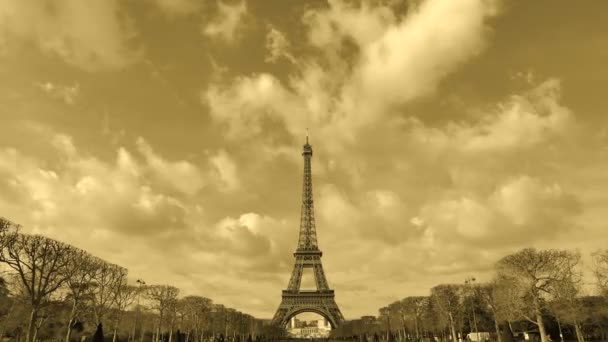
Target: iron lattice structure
308	255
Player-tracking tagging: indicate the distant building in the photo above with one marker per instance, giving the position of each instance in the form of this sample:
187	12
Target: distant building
315	328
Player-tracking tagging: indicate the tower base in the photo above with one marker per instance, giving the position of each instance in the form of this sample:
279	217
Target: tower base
319	302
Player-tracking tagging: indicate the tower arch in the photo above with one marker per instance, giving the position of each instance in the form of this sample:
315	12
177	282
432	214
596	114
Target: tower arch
321	312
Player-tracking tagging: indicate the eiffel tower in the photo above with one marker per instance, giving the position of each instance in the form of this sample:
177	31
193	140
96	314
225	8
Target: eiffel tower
308	255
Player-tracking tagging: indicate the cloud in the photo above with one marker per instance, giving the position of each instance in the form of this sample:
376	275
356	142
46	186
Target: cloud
247	105
411	57
86	192
67	94
363	24
226	25
410	191
126	210
277	47
68	30
179	7
521	122
179	175
227	170
339	96
507	216
379	215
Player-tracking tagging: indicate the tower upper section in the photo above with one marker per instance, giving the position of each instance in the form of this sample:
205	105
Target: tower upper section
308	233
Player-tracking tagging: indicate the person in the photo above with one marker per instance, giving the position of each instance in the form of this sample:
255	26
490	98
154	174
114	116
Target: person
98	336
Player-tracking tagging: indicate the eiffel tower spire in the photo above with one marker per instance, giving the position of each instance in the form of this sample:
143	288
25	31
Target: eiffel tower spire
308	231
308	255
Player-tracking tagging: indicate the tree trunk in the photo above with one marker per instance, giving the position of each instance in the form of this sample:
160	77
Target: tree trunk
160	322
114	335
541	326
68	334
559	328
38	326
31	327
497	327
453	329
579	331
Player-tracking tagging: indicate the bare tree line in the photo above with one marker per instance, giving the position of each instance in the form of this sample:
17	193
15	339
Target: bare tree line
540	292
54	289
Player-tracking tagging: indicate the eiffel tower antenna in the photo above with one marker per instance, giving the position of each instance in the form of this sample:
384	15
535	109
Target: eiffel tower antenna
308	255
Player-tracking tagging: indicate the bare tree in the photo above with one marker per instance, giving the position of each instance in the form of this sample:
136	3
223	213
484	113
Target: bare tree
600	270
489	294
80	286
163	297
447	298
107	280
7	225
567	304
196	309
43	265
535	275
413	308
124	296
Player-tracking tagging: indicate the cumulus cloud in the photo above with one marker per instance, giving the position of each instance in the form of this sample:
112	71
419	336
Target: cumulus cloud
373	215
277	46
363	24
130	198
339	96
520	211
407	195
228	21
521	122
410	58
92	194
179	7
226	170
67	94
68	30
180	175
252	235
248	103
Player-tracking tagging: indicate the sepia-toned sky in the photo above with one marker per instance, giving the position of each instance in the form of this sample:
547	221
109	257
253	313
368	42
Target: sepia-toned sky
165	136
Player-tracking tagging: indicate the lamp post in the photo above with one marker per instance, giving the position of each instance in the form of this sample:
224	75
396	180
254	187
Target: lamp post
469	283
140	283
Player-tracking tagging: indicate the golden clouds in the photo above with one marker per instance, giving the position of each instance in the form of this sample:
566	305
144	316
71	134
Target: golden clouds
396	63
227	24
178	7
410	58
66	29
249	103
519	123
68	94
180	175
227	170
363	24
522	210
425	145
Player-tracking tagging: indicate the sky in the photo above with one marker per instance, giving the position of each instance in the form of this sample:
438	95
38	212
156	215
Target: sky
165	136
